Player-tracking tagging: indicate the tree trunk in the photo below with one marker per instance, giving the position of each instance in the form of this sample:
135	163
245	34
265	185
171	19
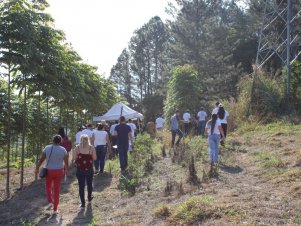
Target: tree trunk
8	134
23	137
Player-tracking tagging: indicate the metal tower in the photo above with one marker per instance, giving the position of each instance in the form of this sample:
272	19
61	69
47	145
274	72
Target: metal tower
279	39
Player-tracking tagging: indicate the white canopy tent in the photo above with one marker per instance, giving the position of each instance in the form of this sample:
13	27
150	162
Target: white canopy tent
116	111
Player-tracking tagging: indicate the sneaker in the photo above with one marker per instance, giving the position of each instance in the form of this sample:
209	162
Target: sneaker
82	206
55	212
49	206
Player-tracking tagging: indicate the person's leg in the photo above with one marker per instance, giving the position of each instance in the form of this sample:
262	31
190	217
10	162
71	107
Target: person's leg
81	184
102	159
216	143
173	137
57	178
203	125
180	134
97	161
199	128
89	179
211	148
126	157
121	151
48	186
225	127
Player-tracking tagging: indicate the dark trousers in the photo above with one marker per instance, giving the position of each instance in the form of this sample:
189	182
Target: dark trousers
201	127
186	128
123	156
83	177
99	163
173	136
225	127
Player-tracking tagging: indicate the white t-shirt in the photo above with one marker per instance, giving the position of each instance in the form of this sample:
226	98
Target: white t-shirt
133	128
202	115
160	123
224	120
77	137
87	132
216	130
112	130
215	111
100	137
186	117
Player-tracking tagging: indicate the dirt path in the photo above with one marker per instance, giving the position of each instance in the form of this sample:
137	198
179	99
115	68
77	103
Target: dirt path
250	196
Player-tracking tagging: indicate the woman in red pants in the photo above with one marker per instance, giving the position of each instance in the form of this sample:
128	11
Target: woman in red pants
56	163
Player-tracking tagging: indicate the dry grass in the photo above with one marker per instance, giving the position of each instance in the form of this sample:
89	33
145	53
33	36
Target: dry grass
162	211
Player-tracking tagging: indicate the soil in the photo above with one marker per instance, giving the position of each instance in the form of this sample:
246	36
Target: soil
253	194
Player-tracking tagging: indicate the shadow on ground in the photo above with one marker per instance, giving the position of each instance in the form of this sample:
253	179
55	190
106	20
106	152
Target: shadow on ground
231	169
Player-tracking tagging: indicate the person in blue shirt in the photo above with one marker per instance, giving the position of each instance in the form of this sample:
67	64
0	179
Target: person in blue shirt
175	128
124	135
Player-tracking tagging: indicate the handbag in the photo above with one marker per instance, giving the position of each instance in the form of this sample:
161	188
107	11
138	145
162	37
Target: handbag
43	171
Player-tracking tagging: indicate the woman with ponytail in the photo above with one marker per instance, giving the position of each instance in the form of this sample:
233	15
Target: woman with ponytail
84	155
215	134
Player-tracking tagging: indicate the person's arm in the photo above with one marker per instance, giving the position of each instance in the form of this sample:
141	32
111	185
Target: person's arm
109	143
43	157
94	153
66	161
92	139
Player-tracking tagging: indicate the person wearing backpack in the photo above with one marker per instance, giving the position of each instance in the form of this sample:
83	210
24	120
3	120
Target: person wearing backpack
84	155
66	143
56	164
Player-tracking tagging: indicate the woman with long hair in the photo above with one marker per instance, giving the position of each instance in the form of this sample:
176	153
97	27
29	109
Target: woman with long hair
84	154
215	134
56	162
223	118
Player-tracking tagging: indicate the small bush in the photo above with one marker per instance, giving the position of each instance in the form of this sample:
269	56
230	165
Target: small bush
162	211
192	176
195	210
168	188
128	184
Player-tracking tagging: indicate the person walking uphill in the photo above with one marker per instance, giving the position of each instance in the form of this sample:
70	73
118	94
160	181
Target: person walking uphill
175	128
215	132
101	143
56	158
223	118
83	155
124	135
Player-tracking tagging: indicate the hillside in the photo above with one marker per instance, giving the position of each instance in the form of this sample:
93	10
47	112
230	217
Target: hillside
258	184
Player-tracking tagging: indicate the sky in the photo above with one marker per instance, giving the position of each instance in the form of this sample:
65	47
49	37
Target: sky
100	29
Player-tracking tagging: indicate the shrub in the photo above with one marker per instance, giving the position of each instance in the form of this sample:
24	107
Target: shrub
162	211
195	210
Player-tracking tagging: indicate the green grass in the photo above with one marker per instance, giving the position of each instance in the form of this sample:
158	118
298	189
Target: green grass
195	209
269	160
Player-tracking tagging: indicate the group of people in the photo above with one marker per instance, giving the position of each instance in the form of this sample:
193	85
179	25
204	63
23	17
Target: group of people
92	145
88	156
216	128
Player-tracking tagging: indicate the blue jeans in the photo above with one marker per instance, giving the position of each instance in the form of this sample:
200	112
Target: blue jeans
83	177
214	140
123	156
201	127
173	136
99	163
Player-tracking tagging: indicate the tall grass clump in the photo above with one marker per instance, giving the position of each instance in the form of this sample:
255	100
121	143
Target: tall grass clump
260	99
